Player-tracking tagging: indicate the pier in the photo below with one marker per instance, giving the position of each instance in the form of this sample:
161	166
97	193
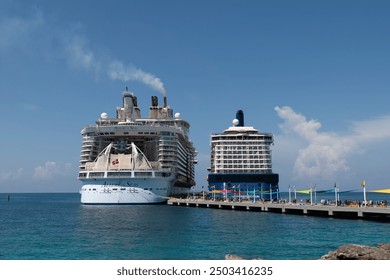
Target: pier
335	211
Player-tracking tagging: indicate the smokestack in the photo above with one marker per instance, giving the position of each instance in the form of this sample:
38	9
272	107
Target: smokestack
153	112
165	101
154	101
240	117
128	106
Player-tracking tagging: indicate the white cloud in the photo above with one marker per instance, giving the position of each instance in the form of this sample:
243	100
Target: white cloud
325	155
79	55
51	170
372	130
17	32
11	176
38	33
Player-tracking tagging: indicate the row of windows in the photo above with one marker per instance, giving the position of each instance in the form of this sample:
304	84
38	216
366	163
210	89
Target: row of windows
246	157
245	171
244	166
123	189
244	137
243	161
225	153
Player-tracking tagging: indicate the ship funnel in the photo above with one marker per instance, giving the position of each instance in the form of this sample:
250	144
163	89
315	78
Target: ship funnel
153	112
165	101
240	117
135	102
128	106
154	101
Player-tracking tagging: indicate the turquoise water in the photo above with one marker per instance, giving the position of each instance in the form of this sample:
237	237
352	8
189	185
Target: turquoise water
57	226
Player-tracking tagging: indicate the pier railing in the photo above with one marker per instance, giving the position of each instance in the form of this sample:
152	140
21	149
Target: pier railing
336	211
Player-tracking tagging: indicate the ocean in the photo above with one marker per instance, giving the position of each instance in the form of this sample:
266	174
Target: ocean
56	226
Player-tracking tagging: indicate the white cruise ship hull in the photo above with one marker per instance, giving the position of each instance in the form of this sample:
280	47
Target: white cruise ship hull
99	194
127	192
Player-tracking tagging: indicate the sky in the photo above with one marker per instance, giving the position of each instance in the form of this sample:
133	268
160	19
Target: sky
316	74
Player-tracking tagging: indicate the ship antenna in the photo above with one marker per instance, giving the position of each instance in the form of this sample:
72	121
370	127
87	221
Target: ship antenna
127	89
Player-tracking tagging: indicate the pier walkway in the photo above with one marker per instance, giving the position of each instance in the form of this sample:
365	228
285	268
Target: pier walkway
364	212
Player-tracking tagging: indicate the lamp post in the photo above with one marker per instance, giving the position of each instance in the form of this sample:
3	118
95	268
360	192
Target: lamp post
289	194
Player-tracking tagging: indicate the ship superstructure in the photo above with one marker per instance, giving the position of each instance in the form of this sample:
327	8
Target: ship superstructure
241	163
133	159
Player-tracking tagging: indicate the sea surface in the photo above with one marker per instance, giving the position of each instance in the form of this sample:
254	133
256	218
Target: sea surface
58	227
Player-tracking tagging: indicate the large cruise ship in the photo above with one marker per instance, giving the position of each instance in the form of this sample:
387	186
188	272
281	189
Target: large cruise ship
130	159
241	163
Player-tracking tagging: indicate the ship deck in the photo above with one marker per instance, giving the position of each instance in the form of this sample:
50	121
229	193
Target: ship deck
334	211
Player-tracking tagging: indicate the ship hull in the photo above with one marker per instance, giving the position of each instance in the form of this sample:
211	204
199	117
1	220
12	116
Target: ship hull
132	191
262	186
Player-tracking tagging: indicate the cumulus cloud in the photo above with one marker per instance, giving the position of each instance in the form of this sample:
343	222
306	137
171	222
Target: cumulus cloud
50	170
324	155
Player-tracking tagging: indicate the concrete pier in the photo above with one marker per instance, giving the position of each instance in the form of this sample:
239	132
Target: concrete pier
365	212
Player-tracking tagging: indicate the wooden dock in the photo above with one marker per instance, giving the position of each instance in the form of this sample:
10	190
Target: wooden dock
365	212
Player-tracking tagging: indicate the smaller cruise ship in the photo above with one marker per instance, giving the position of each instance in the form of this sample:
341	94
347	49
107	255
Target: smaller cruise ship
241	163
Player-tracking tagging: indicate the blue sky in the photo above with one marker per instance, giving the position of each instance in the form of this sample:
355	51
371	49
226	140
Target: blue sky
316	74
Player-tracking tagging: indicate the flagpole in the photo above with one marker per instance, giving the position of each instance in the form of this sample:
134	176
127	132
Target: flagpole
311	195
261	191
295	192
364	193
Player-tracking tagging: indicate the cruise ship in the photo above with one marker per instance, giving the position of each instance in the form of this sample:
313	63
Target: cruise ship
132	159
241	164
